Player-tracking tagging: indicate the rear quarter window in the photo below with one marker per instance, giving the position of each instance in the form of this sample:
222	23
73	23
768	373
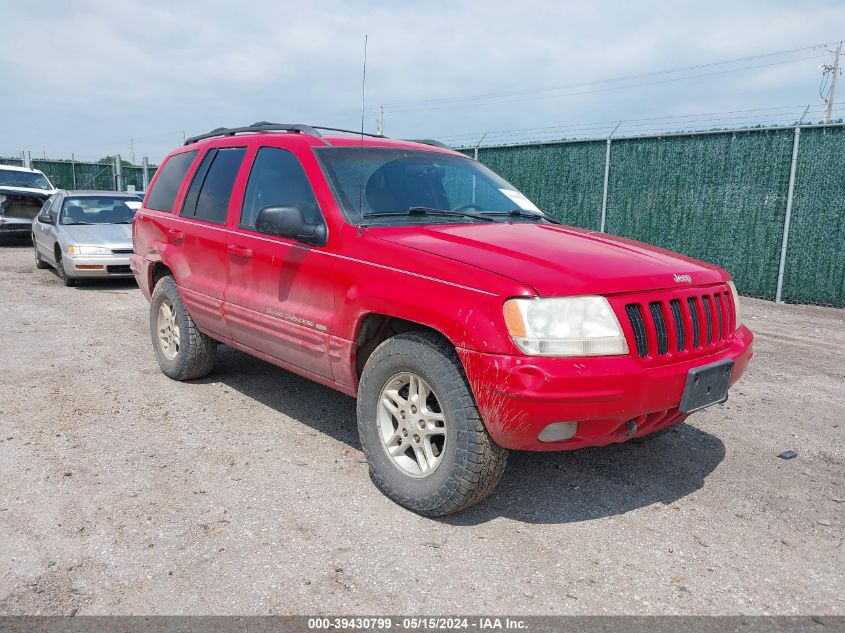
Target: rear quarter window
163	195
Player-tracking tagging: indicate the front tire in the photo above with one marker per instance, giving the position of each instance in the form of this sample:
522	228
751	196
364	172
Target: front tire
183	352
425	442
67	280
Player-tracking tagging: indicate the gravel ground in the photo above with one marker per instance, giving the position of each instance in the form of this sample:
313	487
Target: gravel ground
124	492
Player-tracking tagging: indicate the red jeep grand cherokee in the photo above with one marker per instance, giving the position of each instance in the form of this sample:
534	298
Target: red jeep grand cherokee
465	320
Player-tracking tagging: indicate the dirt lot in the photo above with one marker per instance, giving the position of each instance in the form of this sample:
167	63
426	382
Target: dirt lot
124	492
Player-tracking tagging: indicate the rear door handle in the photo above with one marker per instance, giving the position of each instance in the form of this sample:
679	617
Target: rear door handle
239	251
176	235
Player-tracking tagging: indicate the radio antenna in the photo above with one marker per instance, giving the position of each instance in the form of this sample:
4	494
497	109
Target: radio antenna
361	156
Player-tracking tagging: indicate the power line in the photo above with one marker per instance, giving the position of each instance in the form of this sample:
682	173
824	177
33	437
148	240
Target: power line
620	78
476	103
522	94
628	77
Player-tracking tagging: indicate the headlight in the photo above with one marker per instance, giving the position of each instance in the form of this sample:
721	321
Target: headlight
566	326
88	250
737	312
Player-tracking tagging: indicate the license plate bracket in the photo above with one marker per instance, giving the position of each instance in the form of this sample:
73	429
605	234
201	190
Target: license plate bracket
707	385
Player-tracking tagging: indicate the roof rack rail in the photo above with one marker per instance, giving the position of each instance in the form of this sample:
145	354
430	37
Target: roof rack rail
428	141
260	126
266	126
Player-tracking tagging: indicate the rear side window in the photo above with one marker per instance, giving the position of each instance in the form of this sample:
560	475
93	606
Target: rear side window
277	179
45	208
210	191
163	195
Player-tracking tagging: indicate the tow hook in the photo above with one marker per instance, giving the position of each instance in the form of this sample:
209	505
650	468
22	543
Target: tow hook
631	429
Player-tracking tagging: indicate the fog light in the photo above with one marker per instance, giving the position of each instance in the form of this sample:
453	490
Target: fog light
558	431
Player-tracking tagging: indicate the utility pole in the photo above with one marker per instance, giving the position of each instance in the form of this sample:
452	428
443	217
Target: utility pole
381	120
834	71
132	149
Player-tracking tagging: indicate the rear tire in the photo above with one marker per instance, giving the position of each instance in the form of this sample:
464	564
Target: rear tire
451	461
183	352
40	264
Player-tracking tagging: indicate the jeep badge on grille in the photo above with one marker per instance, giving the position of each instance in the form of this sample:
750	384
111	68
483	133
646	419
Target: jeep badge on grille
683	279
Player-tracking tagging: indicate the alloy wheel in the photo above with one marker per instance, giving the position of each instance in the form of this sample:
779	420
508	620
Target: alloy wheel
411	425
168	329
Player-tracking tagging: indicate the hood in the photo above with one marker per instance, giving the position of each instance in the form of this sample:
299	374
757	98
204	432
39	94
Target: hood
108	235
6	190
557	260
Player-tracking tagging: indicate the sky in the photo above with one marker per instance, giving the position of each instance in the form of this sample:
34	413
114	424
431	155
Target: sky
102	77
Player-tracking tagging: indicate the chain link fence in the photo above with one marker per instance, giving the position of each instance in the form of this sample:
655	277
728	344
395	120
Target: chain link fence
74	174
719	196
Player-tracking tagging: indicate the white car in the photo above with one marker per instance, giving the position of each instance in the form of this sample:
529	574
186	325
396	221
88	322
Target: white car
84	234
22	194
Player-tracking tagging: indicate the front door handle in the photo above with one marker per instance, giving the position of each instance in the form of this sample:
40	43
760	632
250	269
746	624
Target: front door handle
239	251
175	235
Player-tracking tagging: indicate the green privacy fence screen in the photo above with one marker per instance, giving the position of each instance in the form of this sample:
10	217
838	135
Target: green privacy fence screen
721	197
69	174
565	179
815	261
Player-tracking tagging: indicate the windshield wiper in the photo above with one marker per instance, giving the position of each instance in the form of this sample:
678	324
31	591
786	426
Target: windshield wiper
522	213
427	211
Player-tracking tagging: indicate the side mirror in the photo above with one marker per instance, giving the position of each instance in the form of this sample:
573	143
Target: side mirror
45	219
289	222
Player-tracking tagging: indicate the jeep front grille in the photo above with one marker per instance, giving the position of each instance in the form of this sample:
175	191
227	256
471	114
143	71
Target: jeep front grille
686	323
635	315
677	317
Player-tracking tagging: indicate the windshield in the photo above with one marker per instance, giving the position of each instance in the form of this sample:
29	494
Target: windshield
387	185
99	210
33	180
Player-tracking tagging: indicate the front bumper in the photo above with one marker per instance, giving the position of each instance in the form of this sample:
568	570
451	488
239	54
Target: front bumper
612	398
97	266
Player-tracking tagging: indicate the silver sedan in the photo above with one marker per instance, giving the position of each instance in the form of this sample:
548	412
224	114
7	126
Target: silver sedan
85	234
